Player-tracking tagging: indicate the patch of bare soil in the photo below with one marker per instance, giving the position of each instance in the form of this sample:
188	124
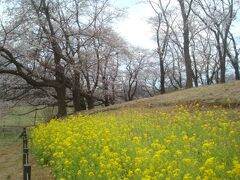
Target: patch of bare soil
11	163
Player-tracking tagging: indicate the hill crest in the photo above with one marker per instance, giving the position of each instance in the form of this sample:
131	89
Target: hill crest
226	95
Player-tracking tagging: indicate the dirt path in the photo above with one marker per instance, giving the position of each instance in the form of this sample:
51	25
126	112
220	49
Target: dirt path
11	163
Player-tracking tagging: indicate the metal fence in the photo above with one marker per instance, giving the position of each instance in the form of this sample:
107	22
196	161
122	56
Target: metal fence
26	166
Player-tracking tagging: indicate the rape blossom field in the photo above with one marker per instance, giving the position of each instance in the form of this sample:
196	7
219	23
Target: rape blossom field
187	143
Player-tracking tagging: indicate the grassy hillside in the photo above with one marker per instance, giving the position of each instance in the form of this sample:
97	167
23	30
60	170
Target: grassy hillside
226	95
188	134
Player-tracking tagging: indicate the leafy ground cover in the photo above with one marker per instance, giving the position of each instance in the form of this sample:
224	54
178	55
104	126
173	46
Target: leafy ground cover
187	142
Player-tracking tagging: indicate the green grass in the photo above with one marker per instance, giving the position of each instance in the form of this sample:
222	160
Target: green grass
8	138
19	116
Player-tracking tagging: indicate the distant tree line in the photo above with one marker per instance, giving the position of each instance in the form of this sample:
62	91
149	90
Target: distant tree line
195	42
67	54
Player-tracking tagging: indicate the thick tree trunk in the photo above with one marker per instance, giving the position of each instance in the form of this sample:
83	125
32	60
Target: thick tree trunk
223	70
221	60
225	42
106	100
162	76
235	61
195	80
188	64
161	51
132	90
59	69
236	69
186	42
217	77
78	100
112	97
235	65
61	90
90	102
106	94
61	104
237	75
195	75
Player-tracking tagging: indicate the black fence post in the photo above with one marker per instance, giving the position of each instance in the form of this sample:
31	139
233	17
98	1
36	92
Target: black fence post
26	172
26	166
25	156
24	133
24	136
25	142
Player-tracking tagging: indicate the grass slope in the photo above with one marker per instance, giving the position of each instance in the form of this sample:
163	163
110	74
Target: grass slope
226	95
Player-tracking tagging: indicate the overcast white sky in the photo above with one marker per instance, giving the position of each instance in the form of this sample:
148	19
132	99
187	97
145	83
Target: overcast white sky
135	29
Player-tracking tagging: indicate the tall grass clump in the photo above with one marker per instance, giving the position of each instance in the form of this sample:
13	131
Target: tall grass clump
188	143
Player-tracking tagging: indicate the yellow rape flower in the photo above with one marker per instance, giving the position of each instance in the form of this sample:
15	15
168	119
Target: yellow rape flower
236	167
91	174
207	144
209	162
187	176
187	161
137	171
